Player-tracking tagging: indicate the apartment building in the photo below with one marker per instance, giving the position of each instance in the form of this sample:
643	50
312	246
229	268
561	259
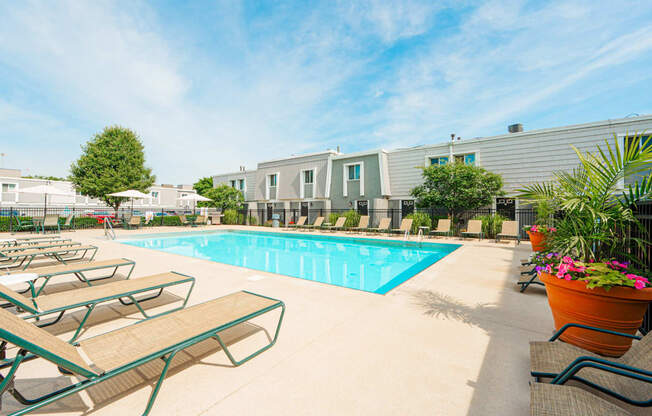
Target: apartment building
381	179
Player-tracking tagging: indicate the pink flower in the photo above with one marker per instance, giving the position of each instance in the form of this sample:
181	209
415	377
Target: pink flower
548	268
567	260
617	264
534	229
639	284
631	276
562	270
567	277
642	279
591	260
553	229
574	268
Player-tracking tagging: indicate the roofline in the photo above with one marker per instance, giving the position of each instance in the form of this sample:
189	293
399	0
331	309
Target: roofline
569	127
359	154
240	172
328	152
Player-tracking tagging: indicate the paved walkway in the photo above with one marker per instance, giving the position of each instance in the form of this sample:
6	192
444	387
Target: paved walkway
452	340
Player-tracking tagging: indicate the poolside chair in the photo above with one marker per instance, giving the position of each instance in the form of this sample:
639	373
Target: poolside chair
383	226
315	225
509	230
618	377
556	400
363	224
41	245
473	228
200	220
32	275
338	226
23	225
24	258
443	228
12	242
67	224
38	237
528	277
134	222
300	223
184	220
406	226
89	297
51	222
113	353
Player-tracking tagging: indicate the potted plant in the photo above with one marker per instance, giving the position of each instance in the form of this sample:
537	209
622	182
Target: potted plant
538	235
583	282
610	295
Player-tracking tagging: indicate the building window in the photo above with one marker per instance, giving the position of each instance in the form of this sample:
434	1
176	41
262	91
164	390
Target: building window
233	183
467	159
8	187
241	184
439	160
308	177
154	194
273	179
354	172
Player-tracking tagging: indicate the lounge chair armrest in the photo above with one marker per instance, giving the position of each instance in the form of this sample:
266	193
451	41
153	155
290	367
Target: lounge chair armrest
592	328
604	365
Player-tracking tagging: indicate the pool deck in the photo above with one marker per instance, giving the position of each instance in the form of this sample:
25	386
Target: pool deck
453	340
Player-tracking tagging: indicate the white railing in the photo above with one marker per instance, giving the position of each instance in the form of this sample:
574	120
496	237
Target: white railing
109	232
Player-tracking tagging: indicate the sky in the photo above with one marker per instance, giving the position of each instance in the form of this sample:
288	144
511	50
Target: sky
213	85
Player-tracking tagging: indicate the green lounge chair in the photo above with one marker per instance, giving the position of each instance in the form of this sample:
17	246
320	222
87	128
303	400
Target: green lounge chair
383	226
23	259
406	226
51	222
89	297
79	270
443	228
68	223
184	220
146	341
338	226
315	225
39	237
300	223
363	224
529	277
509	230
473	229
623	378
24	225
556	400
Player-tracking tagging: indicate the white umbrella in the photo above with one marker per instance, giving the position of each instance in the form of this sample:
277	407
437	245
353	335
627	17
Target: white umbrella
194	198
47	189
131	194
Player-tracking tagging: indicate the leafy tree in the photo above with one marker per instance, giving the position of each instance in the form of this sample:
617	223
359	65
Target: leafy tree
112	161
457	187
49	178
225	197
202	186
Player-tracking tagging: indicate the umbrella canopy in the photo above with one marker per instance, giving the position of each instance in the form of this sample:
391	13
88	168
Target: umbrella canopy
47	189
131	193
193	197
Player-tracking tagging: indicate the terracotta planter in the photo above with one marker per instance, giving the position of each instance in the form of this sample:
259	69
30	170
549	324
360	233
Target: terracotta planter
619	309
538	240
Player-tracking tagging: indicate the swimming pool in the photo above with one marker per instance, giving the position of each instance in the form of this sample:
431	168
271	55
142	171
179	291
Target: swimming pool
371	265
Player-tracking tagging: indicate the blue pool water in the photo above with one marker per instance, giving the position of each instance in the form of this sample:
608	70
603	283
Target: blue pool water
357	263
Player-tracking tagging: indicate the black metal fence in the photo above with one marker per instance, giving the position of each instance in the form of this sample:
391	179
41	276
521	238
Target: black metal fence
643	212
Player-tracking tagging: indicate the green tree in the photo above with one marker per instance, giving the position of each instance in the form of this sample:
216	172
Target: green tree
457	187
202	186
112	161
225	197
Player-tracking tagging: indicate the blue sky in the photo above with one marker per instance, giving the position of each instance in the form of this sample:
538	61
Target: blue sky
213	85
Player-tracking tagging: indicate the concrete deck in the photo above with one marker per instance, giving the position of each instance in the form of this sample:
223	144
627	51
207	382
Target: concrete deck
452	340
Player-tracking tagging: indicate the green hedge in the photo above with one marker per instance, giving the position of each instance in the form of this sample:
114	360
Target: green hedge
352	218
491	224
231	216
166	220
419	219
4	222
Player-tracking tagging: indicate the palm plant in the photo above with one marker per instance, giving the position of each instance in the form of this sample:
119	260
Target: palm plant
596	213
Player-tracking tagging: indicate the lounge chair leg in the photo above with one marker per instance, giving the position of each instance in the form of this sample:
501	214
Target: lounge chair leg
152	396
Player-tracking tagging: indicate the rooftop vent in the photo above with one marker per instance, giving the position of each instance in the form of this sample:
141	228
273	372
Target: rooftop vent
515	128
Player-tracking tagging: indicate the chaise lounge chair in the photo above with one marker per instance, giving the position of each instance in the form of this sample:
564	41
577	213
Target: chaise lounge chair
24	258
300	223
51	222
200	220
509	230
184	220
473	229
529	276
363	224
315	225
443	228
623	378
406	226
146	341
556	400
90	297
383	226
134	222
79	270
24	225
338	226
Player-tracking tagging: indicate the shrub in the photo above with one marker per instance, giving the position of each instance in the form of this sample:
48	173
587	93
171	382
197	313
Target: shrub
231	216
4	222
84	222
171	220
352	218
253	220
491	224
419	219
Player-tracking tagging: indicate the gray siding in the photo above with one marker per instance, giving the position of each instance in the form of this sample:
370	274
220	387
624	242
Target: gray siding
521	158
289	179
371	176
248	176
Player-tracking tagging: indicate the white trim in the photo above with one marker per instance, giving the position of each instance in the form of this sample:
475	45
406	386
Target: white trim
451	156
329	168
328	152
359	154
383	191
345	177
302	181
16	190
267	186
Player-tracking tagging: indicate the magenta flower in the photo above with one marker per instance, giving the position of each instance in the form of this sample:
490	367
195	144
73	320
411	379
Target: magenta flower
639	284
567	277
